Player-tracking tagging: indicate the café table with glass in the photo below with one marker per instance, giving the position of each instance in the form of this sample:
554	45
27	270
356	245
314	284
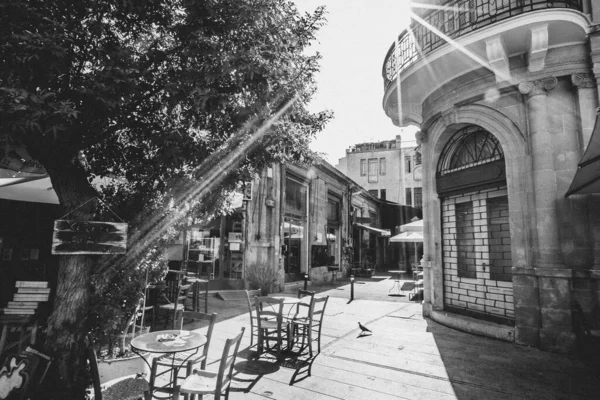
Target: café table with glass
168	342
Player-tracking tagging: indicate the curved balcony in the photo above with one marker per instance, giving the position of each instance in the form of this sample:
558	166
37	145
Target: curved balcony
456	19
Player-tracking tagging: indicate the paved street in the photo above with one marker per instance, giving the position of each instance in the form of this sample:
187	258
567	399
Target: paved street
406	357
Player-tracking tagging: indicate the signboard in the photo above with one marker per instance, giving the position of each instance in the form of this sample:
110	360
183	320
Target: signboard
89	237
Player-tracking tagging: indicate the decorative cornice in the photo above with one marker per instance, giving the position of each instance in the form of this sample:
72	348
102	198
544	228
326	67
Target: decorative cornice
538	87
583	81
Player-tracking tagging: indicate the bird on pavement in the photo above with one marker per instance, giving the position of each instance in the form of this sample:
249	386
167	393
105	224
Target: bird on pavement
363	328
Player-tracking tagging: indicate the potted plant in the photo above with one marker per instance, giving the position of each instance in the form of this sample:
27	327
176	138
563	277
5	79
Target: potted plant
263	277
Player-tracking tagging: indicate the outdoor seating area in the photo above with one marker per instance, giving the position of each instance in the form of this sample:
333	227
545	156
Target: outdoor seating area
285	327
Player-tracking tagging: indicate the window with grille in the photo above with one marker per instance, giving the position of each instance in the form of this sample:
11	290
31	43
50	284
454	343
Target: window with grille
382	166
373	170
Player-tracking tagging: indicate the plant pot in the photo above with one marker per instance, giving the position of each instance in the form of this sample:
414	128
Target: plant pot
119	367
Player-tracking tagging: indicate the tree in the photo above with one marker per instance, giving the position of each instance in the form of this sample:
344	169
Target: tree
179	100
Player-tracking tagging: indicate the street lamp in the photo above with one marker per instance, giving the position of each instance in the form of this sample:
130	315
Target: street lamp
351	287
305	281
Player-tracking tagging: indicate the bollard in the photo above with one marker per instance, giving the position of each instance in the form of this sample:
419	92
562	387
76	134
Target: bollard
351	287
305	281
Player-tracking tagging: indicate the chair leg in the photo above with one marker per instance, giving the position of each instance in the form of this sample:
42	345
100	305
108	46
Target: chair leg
309	332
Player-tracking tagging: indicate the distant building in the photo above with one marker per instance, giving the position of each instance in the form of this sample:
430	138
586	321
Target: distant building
386	169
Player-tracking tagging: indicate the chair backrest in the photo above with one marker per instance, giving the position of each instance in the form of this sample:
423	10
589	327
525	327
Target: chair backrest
306	304
268	307
95	374
200	316
250	294
318	310
227	361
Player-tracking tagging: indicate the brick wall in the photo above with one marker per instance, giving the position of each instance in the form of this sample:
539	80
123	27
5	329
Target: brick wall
476	253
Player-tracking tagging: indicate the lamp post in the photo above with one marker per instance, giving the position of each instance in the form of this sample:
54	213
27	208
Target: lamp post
351	287
305	281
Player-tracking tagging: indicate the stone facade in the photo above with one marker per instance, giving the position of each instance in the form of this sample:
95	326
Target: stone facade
538	101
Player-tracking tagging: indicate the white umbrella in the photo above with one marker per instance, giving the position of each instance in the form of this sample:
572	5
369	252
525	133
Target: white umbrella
410	237
416	226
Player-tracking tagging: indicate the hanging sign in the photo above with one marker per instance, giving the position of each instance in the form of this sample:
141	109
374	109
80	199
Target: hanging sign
89	237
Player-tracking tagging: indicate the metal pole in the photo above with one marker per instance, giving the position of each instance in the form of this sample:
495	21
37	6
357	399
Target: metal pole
305	281
351	287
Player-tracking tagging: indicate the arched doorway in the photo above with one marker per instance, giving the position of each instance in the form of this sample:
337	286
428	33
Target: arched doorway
476	244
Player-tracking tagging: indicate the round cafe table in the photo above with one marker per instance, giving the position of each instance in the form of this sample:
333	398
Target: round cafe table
154	342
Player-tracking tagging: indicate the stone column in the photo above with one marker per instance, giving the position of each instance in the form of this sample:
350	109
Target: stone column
587	94
547	250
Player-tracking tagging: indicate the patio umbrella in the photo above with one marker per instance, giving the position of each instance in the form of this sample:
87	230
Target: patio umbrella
415	226
408	237
587	177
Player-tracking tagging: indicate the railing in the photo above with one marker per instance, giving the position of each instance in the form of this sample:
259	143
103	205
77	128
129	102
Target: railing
456	19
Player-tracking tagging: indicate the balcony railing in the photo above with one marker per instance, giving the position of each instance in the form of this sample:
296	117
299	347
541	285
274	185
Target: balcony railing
456	19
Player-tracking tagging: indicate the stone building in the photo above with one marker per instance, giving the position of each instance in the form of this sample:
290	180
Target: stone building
305	220
386	169
504	94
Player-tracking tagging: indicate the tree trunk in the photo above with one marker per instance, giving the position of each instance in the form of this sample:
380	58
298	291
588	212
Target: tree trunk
67	325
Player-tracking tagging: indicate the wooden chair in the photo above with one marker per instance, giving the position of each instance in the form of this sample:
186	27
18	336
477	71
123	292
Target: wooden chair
173	301
250	294
188	357
312	323
269	318
198	293
204	382
303	316
131	387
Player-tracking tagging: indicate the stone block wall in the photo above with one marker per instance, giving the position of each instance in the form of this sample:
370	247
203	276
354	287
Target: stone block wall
476	253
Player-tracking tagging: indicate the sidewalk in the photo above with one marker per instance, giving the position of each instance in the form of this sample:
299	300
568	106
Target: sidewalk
406	357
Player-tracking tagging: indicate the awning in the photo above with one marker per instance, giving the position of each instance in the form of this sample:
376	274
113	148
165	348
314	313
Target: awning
587	177
382	232
407	237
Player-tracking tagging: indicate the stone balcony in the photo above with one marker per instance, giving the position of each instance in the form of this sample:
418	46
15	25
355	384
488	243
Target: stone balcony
509	38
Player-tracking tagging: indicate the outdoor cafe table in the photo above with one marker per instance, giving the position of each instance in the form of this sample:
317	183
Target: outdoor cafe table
169	342
396	275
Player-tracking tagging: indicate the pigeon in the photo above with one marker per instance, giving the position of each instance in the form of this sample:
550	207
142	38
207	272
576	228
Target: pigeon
363	328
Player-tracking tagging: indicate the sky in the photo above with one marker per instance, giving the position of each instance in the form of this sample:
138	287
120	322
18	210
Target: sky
353	44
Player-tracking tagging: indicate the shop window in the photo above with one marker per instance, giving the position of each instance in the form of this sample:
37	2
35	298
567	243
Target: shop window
363	167
373	170
295	197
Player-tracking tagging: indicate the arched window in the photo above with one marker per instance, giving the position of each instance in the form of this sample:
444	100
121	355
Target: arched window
469	147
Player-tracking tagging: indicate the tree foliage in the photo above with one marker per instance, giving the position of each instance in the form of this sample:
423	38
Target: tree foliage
178	100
